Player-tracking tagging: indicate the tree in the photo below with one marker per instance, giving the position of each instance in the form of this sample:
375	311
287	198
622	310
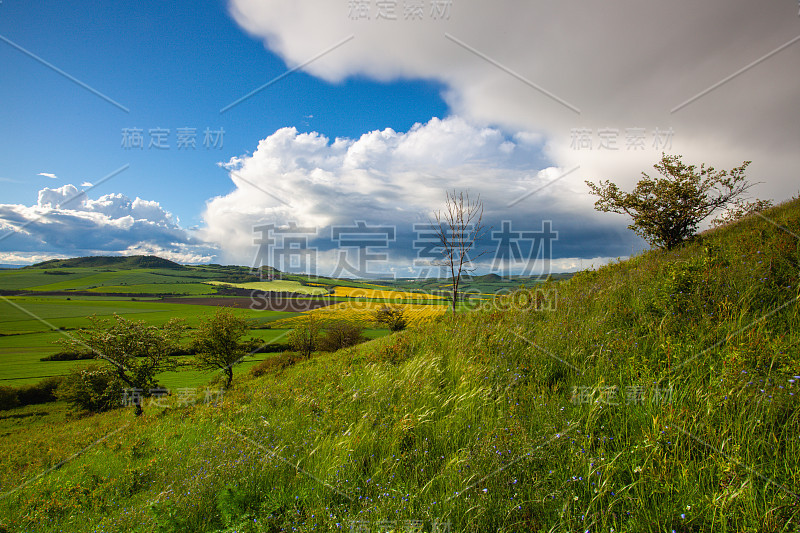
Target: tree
392	317
134	351
304	338
217	343
341	334
458	227
667	210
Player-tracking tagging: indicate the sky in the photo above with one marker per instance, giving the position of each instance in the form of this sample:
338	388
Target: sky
235	132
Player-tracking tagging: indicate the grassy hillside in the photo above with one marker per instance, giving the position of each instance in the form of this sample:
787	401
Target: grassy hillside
660	394
131	261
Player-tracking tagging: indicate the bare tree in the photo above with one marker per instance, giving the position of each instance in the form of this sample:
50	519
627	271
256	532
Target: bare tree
459	226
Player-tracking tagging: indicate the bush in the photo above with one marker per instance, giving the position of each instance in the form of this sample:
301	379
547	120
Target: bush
275	364
341	334
397	350
392	317
135	350
94	389
42	392
8	398
69	355
216	343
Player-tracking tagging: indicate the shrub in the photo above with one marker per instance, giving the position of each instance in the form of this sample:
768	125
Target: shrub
8	398
69	355
134	350
275	364
42	392
94	389
399	349
341	334
392	317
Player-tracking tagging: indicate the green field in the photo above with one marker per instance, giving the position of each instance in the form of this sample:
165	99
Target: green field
158	288
28	320
27	327
31	326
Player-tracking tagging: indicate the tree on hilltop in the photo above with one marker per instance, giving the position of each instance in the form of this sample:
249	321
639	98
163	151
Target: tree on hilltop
667	210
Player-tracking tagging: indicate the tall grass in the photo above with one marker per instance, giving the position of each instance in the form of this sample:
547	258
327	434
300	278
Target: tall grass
659	395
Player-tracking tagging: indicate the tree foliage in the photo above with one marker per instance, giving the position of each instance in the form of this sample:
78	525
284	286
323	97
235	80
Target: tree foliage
393	318
133	350
341	334
739	210
667	210
304	338
94	389
216	343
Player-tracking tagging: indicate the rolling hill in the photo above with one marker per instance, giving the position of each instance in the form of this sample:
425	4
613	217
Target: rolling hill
654	394
118	262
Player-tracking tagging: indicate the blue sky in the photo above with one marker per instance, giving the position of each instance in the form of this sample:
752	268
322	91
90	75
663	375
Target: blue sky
396	107
172	65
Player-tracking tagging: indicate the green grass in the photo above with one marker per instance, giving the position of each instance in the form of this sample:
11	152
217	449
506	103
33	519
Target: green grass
658	395
87	278
158	288
26	338
164	280
22	279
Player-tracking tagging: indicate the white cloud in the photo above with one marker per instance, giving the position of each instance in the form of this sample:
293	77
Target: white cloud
67	195
525	65
48	175
396	179
65	221
183	255
22	258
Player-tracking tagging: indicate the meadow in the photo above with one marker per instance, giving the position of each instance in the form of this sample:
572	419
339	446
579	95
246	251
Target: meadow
40	305
657	394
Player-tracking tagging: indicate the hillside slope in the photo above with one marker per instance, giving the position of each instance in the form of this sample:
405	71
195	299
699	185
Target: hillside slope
130	261
656	394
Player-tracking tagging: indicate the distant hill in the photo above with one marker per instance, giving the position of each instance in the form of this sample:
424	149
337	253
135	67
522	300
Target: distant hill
131	261
488	278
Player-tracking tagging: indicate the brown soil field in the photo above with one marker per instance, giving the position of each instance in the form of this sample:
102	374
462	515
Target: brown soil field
260	303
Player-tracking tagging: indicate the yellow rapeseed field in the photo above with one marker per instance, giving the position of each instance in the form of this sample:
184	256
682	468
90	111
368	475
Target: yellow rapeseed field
362	311
357	292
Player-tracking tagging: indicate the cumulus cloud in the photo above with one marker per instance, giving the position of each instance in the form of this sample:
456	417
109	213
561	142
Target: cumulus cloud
720	74
396	179
65	221
27	258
